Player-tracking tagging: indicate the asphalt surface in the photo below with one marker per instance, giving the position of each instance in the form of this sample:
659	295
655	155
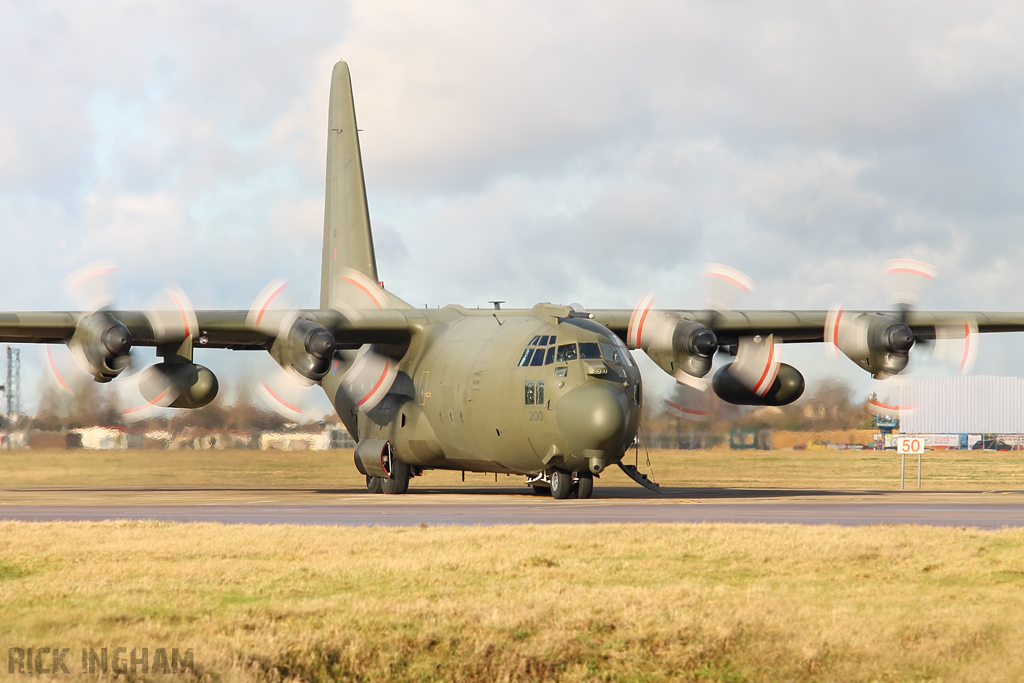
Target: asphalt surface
467	507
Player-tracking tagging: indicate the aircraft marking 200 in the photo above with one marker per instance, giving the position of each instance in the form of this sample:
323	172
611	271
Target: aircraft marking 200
551	392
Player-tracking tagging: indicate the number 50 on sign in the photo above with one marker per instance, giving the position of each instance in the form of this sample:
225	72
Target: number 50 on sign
913	445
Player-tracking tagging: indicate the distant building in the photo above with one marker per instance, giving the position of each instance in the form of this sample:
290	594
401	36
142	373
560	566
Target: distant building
323	440
98	438
962	405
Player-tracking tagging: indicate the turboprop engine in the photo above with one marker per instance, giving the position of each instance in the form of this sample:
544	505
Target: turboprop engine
305	349
787	387
879	344
101	344
674	343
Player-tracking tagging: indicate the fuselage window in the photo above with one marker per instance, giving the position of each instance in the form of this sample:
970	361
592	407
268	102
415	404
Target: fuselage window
530	393
543	341
550	357
538	357
590	350
540	393
566	352
525	360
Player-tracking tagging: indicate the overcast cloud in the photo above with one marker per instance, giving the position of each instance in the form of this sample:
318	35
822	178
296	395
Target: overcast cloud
525	151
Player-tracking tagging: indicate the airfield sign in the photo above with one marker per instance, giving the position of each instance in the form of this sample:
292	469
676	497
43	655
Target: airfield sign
912	445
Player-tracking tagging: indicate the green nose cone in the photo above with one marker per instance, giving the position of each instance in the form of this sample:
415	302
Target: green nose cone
592	418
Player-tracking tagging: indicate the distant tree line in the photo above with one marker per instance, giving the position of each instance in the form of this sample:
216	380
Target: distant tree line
98	405
828	405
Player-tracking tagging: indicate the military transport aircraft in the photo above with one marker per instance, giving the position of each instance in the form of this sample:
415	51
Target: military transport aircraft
552	392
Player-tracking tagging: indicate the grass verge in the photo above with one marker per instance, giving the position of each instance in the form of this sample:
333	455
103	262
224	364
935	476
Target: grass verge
874	470
562	603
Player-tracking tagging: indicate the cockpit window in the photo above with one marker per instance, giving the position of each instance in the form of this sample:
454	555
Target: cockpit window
550	357
610	353
533	342
552	340
590	350
623	351
538	358
566	352
543	341
525	360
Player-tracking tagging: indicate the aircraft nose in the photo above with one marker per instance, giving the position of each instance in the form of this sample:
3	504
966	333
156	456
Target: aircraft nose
592	419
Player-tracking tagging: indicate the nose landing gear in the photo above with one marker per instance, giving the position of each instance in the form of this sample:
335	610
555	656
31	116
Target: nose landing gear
562	484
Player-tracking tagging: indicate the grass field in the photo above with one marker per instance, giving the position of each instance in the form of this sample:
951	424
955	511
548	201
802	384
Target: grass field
875	470
561	603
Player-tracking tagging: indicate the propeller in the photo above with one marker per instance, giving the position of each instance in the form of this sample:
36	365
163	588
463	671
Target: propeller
757	358
306	351
100	349
881	344
689	401
367	375
281	389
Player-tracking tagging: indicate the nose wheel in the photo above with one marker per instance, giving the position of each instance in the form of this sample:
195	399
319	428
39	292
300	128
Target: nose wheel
585	485
561	484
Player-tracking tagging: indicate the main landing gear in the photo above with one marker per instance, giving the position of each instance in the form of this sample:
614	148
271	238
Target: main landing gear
397	482
562	485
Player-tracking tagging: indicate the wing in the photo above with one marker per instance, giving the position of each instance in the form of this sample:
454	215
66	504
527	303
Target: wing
683	343
217	329
809	326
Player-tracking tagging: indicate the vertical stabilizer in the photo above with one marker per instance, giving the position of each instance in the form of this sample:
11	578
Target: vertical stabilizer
348	242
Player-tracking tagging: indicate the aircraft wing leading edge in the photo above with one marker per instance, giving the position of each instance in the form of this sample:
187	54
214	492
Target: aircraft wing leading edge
217	329
809	326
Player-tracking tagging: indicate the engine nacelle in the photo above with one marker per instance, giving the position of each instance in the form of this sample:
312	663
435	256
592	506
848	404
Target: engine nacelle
101	344
193	386
787	387
675	344
306	349
373	457
879	344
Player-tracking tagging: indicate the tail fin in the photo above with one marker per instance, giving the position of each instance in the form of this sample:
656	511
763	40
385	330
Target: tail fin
348	241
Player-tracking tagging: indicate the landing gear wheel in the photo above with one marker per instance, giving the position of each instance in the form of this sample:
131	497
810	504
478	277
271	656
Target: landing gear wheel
561	484
373	484
399	480
585	487
541	490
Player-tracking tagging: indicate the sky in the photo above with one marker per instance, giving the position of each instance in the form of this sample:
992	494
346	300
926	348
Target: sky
525	151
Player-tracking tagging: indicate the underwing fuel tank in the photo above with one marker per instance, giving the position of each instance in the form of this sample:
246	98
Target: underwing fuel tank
193	386
787	387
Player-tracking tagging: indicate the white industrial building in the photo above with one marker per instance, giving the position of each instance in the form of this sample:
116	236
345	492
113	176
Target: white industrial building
962	405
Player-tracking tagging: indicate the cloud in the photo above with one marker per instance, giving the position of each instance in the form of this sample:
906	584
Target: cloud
523	151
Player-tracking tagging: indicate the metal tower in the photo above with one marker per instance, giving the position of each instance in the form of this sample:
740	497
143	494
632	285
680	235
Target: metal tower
12	389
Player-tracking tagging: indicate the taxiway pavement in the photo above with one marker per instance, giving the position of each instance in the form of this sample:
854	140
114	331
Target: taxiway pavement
486	507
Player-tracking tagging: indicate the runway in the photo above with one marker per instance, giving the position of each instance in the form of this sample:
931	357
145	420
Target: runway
489	507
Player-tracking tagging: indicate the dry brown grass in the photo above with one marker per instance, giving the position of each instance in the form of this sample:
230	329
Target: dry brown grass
564	603
875	470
